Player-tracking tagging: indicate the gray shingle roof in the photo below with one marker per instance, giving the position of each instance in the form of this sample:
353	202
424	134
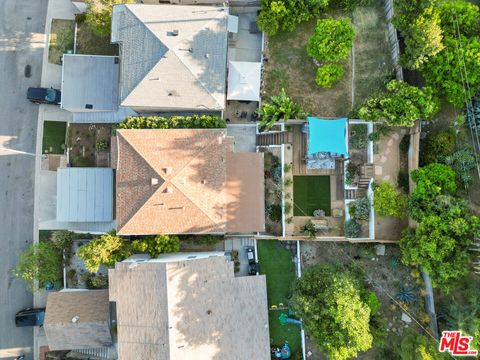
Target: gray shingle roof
92	328
162	71
90	79
193	309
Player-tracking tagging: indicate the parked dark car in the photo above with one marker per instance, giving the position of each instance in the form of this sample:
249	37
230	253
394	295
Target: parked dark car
44	95
30	317
250	255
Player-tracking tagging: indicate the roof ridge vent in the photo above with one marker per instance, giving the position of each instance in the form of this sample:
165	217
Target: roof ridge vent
154	181
168	170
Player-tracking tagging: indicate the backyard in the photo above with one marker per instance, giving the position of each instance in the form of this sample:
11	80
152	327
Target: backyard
311	193
54	133
290	67
393	283
61	40
276	263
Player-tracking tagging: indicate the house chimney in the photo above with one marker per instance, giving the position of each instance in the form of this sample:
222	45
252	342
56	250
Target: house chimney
167	170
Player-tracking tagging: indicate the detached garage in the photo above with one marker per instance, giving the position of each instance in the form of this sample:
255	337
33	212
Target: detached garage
84	195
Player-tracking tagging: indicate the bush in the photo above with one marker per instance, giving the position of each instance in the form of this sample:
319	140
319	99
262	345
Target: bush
463	162
274	212
105	250
101	144
349	5
173	122
329	74
387	201
465	19
156	245
332	40
436	146
309	230
351	173
371	299
352	229
360	209
201	239
40	262
280	107
400	105
276	15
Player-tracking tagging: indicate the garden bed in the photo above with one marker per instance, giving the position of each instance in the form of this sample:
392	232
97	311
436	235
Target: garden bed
54	133
90	44
89	145
62	35
276	263
273	190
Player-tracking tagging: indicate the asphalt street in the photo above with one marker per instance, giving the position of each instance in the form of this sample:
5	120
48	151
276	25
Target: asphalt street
22	24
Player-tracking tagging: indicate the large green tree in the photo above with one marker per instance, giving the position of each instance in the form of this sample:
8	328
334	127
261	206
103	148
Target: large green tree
423	39
99	15
400	105
460	16
434	183
40	262
450	69
440	246
332	40
285	15
418	347
328	299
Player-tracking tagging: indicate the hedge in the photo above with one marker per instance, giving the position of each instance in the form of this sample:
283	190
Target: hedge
173	122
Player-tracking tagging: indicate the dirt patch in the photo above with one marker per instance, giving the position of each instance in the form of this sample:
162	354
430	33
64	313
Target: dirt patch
385	275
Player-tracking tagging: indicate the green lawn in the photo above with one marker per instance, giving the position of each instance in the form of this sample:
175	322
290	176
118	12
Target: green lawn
61	41
276	263
54	137
311	193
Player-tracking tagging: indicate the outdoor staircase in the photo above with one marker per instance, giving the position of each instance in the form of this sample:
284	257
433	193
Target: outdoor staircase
273	138
108	353
352	194
363	182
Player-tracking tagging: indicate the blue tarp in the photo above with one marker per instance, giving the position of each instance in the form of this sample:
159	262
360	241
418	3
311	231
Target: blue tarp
327	136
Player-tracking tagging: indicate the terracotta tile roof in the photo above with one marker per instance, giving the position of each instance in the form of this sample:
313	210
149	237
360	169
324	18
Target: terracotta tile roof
171	181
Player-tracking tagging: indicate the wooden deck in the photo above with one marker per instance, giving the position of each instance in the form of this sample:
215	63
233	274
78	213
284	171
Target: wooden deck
299	167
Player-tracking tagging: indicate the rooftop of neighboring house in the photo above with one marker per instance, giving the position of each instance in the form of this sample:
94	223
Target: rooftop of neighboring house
189	309
77	320
173	57
90	83
182	181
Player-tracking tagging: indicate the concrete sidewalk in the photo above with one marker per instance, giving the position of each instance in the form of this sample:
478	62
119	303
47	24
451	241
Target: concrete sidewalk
51	76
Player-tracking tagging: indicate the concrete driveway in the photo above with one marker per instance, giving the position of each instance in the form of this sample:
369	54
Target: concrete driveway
22	24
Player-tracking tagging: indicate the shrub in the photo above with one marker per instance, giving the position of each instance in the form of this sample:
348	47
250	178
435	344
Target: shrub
98	282
105	250
287	168
351	173
360	208
352	229
62	239
288	182
309	230
288	208
280	107
173	122
349	5
40	262
436	146
332	40
387	201
400	105
274	212
462	162
465	18
358	139
101	144
329	74
156	245
371	299
276	15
